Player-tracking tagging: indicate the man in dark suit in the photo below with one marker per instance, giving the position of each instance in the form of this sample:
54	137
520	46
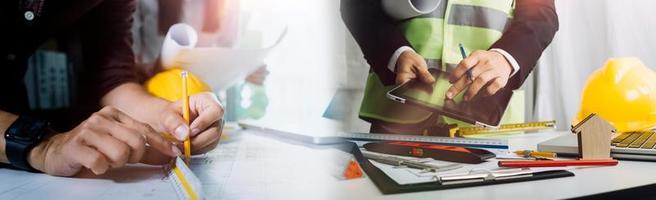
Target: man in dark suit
127	128
507	63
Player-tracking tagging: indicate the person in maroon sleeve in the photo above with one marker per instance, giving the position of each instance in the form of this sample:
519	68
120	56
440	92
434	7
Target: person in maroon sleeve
121	123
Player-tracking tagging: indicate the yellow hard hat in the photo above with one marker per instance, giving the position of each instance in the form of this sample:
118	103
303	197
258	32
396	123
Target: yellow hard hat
622	92
168	84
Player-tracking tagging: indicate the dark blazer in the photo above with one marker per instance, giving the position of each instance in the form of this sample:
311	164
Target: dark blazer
533	27
100	31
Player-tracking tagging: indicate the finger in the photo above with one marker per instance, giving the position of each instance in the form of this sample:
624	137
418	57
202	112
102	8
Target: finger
135	140
91	159
422	71
479	82
457	87
174	123
405	73
113	149
115	114
155	157
204	139
495	86
209	112
134	133
120	116
159	143
463	67
404	77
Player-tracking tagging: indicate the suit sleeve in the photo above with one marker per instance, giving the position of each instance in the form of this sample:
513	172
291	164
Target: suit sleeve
532	29
375	33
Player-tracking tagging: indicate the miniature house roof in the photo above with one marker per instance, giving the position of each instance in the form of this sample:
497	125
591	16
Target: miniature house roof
592	120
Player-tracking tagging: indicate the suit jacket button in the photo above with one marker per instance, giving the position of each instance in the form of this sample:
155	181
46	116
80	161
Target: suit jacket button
11	57
29	15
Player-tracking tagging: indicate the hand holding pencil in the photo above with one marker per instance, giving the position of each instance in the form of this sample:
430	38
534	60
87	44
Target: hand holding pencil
195	120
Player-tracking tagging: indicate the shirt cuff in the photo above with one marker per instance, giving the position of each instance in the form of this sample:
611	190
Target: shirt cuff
510	59
395	57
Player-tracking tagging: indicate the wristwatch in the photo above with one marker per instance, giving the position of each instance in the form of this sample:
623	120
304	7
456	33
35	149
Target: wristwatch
21	137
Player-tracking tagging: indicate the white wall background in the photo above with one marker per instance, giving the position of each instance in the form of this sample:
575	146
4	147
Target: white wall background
305	65
590	32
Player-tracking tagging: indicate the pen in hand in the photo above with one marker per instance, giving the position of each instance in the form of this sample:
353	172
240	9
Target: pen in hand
464	55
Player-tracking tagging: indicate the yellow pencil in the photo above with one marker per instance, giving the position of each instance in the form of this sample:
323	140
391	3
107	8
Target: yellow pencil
185	115
536	154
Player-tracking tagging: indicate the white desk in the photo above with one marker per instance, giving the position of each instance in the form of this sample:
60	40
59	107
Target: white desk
258	167
245	167
586	182
317	186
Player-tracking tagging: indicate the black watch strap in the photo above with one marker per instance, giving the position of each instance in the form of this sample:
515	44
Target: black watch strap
21	137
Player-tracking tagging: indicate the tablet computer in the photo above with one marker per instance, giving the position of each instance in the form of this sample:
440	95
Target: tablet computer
480	110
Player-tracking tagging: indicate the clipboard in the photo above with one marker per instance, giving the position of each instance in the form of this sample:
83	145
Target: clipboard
388	186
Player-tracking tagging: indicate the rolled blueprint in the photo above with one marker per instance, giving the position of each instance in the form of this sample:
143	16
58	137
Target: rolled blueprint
405	9
179	37
219	67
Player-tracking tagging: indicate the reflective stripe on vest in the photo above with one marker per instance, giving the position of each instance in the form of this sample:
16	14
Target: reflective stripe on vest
477	24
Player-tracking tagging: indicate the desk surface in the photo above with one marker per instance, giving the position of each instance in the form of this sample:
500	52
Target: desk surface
246	166
254	166
586	182
591	180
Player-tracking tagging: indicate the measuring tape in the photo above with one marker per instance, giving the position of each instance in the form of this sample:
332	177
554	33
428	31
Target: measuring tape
504	128
185	183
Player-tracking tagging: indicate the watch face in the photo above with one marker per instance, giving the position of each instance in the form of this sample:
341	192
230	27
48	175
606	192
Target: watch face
17	134
26	130
20	137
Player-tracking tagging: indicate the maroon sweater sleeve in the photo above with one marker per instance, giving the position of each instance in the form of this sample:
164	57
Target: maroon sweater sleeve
107	40
533	27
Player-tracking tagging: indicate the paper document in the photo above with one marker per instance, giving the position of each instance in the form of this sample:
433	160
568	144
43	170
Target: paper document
130	182
406	175
251	167
220	67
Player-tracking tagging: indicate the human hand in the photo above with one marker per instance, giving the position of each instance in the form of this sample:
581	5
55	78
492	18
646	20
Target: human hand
205	112
411	65
107	139
258	76
490	69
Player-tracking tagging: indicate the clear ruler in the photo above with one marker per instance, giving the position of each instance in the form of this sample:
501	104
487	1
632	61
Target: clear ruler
341	137
468	142
185	183
504	128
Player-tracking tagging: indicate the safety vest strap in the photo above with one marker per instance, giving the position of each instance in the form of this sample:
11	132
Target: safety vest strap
478	16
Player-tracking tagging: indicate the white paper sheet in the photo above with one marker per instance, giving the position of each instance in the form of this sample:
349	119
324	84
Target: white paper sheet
404	175
253	167
218	66
132	182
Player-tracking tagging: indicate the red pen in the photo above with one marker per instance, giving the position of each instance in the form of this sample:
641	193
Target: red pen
556	163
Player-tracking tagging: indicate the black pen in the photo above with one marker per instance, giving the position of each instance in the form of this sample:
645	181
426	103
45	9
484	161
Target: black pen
464	55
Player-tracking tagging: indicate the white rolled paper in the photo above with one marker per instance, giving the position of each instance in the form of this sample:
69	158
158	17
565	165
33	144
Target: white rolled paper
219	67
406	9
180	36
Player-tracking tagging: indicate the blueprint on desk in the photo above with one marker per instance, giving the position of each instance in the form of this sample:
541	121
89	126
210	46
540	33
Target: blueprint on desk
252	167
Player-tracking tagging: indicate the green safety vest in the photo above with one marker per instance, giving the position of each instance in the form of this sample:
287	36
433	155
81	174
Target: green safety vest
477	24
